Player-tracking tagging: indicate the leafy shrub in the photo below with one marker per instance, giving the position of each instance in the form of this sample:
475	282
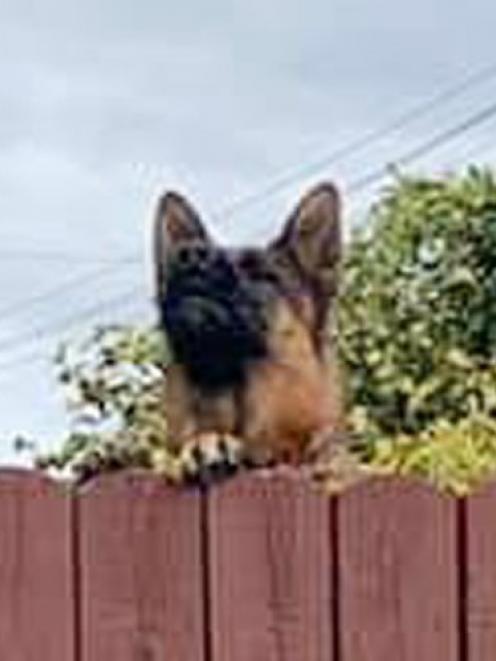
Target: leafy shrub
418	307
114	394
453	456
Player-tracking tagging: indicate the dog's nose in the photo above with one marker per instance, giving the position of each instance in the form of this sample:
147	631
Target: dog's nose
205	264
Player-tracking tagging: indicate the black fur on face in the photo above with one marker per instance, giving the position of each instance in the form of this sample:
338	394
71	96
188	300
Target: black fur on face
216	305
216	311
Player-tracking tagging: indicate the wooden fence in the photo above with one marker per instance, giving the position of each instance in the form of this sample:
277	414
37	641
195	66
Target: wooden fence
256	570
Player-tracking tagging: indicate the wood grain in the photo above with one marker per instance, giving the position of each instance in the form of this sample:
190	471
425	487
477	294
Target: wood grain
141	581
270	571
36	598
481	574
397	573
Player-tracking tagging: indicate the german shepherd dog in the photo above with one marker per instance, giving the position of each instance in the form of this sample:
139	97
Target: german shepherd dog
247	329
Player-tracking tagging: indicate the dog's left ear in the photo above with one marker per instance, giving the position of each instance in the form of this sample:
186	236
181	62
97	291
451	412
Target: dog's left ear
310	245
176	222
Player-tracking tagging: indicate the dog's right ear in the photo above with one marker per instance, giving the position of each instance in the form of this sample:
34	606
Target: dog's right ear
176	221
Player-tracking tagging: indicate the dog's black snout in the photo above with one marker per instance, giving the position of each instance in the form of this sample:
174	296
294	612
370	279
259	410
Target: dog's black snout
200	260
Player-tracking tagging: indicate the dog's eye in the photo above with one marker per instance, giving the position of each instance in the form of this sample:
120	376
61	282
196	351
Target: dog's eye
256	267
192	254
249	261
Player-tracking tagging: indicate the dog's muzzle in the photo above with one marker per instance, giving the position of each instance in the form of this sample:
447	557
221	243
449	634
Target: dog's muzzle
215	322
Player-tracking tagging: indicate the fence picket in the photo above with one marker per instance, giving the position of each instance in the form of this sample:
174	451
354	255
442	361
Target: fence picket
397	573
481	574
36	597
141	579
270	571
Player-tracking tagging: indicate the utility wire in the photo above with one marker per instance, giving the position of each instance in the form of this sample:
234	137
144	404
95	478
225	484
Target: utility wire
410	116
368	138
426	147
20	306
357	185
12	342
36	355
420	150
30	356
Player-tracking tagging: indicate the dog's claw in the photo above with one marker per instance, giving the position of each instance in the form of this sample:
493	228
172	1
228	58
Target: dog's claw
209	458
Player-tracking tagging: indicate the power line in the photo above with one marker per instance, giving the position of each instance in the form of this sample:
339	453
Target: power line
410	116
357	185
28	357
19	306
426	147
478	151
41	333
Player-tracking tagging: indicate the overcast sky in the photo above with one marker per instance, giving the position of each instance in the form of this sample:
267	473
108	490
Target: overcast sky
104	104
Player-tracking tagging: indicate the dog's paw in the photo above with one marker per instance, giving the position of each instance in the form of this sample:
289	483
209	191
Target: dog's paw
209	457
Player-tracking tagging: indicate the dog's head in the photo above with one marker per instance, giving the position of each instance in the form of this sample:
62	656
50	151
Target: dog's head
224	310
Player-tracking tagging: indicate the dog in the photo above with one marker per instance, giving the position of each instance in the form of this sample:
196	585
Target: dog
252	375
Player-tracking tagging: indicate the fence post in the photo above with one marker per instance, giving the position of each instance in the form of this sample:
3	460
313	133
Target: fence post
141	582
36	589
481	574
398	573
270	571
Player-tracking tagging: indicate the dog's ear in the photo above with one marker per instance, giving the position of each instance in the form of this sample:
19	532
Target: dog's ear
310	245
176	221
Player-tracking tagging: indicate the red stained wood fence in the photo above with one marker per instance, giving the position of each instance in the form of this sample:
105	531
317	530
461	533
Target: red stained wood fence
258	569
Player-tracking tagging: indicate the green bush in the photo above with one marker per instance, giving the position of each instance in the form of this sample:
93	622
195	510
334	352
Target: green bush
453	456
418	306
114	394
